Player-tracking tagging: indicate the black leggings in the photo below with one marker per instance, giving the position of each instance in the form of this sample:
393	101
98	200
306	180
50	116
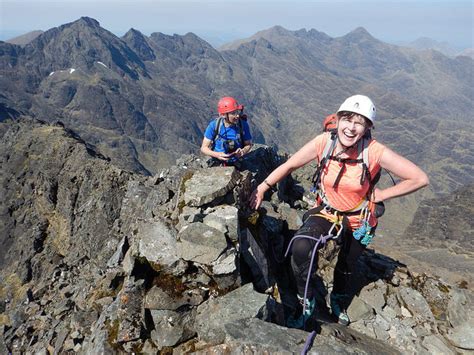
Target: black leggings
301	256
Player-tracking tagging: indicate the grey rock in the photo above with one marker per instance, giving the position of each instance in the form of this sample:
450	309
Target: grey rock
62	335
256	259
68	345
393	303
130	310
149	347
374	296
415	303
189	215
226	264
117	258
291	216
226	219
263	337
209	185
381	328
213	314
104	302
364	327
157	298
155	242
460	306
436	345
423	329
388	313
358	310
171	327
103	332
201	243
462	336
140	201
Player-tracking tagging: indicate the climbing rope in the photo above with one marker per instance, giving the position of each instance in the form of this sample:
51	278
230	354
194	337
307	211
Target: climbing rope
323	239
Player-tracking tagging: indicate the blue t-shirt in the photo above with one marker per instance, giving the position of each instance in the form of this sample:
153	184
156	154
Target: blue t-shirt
227	133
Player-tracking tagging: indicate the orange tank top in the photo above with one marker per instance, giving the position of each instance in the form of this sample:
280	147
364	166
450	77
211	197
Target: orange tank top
349	193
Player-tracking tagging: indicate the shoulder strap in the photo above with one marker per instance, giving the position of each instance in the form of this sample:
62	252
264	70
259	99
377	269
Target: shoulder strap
328	149
217	130
364	154
241	132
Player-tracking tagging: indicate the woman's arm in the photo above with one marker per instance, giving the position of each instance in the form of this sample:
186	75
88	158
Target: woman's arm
413	178
300	158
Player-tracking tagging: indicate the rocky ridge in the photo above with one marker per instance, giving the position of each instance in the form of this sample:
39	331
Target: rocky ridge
100	260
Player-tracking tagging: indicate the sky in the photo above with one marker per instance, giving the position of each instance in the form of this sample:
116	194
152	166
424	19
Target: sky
222	21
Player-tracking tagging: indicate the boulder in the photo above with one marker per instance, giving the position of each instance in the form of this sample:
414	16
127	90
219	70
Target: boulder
415	303
209	185
213	314
224	218
171	328
157	298
436	345
201	243
359	309
462	336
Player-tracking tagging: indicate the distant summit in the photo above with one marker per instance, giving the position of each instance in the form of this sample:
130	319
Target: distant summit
425	43
25	38
276	34
469	52
358	35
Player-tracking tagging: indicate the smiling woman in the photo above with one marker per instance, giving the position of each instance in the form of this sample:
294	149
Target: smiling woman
346	209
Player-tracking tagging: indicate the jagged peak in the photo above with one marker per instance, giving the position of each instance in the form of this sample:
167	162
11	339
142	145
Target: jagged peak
272	31
360	33
133	33
195	37
87	21
267	34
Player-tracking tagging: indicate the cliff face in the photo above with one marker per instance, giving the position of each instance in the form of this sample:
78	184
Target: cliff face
97	259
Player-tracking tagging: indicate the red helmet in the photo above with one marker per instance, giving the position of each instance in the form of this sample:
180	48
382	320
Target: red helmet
228	104
330	122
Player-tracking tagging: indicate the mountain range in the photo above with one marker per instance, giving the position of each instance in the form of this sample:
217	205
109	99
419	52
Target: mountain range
143	100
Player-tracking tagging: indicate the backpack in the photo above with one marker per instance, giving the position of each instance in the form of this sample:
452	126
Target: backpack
220	122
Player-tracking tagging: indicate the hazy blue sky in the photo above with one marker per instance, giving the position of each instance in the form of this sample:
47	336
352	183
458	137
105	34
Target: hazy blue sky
218	21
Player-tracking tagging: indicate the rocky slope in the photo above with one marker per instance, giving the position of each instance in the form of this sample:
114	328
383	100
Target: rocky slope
95	259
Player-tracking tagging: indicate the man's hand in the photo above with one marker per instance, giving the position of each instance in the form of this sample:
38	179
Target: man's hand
224	156
239	153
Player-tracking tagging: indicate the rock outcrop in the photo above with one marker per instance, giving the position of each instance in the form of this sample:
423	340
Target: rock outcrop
95	259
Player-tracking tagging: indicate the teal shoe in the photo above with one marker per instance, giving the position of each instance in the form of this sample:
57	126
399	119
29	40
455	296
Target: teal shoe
299	321
338	310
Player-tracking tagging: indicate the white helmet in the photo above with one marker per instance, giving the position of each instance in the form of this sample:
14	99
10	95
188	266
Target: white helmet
359	104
